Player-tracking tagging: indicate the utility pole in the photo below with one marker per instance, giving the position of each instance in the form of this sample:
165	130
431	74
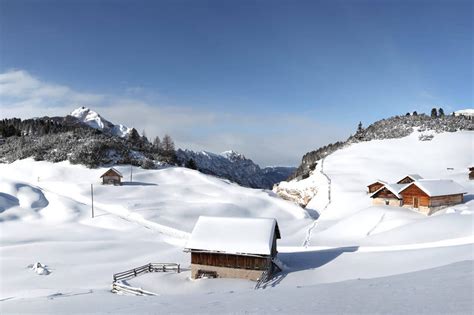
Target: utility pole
130	173
92	198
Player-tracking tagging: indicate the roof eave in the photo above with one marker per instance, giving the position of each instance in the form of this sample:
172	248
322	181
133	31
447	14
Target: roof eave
193	250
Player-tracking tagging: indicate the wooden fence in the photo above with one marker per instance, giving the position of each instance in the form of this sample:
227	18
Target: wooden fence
132	273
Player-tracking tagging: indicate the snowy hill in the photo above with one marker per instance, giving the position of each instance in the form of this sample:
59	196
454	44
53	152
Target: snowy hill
45	216
94	120
390	128
235	167
337	189
469	112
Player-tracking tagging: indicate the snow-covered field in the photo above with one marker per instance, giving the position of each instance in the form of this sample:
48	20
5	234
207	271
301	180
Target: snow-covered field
354	258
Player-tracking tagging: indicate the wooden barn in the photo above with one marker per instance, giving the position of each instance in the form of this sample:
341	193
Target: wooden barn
233	247
430	195
112	177
375	186
410	178
388	195
471	173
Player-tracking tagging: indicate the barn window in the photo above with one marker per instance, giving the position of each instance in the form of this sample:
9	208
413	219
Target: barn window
387	202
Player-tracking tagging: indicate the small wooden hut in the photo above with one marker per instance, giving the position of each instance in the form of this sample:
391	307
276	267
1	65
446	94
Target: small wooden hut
430	195
112	177
233	247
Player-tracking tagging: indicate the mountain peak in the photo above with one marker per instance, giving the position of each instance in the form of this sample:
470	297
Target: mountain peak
94	120
232	155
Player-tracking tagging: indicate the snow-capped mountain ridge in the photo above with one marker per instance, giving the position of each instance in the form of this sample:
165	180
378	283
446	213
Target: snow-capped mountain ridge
235	167
232	155
96	121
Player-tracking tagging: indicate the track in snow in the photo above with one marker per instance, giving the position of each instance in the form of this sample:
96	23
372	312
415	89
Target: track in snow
468	240
313	225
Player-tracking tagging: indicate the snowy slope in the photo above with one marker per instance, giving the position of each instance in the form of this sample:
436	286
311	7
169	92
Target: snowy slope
348	217
413	263
465	112
94	120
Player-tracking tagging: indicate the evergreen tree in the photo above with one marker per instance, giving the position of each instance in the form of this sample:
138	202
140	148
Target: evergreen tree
134	137
144	138
191	164
415	113
441	112
147	164
359	127
434	113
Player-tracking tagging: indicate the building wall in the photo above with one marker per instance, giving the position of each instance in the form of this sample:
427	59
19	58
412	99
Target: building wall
411	192
428	205
230	261
382	201
114	179
446	200
227	272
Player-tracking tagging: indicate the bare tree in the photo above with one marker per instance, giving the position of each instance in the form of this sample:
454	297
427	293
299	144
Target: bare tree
167	150
157	144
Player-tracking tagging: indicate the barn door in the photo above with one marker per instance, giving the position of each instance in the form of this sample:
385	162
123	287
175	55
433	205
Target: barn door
415	202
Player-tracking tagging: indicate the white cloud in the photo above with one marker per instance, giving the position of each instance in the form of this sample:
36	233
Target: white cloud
268	139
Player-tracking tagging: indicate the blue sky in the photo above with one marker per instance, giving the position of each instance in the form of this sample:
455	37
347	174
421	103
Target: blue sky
272	79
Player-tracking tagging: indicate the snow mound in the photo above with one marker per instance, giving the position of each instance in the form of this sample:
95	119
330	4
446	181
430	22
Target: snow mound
40	269
8	201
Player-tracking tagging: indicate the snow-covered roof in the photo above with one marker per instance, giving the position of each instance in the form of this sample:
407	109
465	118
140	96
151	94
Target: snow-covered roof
377	181
113	170
438	187
393	188
414	177
231	235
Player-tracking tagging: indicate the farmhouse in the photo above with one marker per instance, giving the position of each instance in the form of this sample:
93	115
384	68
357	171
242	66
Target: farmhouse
424	195
233	247
471	173
375	186
430	195
112	177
